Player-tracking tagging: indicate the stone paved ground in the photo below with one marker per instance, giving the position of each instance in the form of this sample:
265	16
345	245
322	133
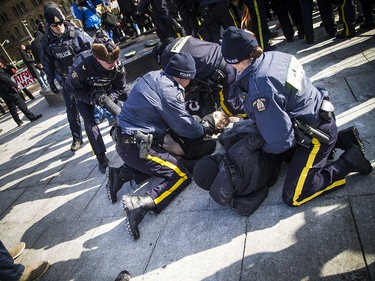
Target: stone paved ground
55	200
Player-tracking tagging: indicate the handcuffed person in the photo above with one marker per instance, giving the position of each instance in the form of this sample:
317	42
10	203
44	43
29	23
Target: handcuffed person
97	78
276	92
155	105
240	177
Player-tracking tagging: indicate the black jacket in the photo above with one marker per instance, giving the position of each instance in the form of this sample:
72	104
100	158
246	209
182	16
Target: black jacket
245	171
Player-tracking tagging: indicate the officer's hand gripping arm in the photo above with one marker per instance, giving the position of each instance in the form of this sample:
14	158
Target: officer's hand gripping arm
100	98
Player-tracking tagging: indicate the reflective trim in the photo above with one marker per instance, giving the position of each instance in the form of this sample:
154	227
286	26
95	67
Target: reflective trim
259	24
304	174
183	177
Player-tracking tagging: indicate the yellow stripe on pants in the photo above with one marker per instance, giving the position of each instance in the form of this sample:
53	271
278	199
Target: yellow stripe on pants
183	177
304	174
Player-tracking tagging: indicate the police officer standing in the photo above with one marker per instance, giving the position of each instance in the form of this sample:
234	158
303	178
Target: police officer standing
97	78
215	14
294	118
156	104
60	46
166	24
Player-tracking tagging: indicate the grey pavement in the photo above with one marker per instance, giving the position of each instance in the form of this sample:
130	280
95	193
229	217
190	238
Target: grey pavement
55	200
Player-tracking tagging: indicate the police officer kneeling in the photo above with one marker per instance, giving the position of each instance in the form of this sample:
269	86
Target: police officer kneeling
156	104
294	117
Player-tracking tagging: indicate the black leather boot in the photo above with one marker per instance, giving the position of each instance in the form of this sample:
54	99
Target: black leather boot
356	161
348	137
136	207
116	177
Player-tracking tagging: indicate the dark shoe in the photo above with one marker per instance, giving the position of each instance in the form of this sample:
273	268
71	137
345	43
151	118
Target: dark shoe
36	117
349	137
116	177
19	124
309	41
356	161
17	250
34	272
103	162
136	207
273	34
123	276
76	145
367	25
342	35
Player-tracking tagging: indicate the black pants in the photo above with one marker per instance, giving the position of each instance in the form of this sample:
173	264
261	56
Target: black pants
159	163
259	24
73	116
309	175
91	128
12	100
284	8
216	16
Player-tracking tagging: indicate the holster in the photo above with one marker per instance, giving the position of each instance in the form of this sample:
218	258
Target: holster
326	110
305	133
144	142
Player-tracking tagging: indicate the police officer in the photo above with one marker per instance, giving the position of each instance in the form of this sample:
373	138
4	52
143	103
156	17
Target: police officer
294	118
215	14
96	74
213	75
61	44
156	104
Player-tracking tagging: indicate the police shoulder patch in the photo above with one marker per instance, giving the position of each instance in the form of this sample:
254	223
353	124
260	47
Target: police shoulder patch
260	104
180	97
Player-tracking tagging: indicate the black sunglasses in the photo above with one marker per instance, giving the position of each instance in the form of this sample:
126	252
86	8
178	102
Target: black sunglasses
57	23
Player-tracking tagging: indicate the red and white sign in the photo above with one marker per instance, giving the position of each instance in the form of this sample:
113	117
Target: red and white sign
23	78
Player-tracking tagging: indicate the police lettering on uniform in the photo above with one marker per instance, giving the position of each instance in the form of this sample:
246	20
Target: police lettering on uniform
60	45
211	86
97	78
155	105
294	118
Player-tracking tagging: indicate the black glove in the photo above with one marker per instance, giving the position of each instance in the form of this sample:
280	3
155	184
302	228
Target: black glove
208	124
97	97
54	88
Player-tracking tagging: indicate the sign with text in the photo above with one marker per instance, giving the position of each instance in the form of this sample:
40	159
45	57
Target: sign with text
23	78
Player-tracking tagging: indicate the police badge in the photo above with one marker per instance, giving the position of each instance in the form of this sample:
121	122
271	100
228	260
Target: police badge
260	104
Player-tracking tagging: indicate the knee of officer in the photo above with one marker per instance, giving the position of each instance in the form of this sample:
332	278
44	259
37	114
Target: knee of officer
288	199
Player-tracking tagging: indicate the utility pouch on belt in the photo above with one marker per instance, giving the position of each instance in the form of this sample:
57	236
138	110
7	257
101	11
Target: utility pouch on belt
304	134
125	140
144	143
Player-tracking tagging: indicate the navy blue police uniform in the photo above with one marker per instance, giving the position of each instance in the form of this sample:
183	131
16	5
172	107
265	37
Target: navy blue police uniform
156	104
213	74
275	98
87	79
58	54
215	14
293	116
